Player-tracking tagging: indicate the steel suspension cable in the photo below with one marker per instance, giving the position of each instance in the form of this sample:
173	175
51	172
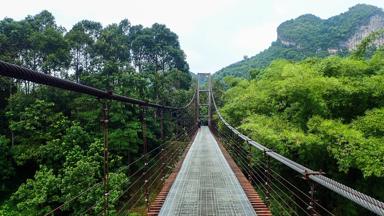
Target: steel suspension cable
261	172
97	213
173	155
248	170
137	180
178	136
18	72
259	168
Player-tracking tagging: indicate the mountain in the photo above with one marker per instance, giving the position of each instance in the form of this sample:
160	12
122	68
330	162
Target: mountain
311	36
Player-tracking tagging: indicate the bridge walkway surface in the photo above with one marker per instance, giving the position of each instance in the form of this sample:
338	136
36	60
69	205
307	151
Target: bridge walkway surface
206	184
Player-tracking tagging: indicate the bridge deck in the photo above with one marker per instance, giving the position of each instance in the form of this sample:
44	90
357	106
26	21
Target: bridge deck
206	185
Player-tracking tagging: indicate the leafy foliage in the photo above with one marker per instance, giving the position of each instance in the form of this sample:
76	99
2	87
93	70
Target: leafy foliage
32	195
324	113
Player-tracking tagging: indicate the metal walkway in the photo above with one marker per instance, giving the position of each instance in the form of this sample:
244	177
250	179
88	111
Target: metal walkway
206	185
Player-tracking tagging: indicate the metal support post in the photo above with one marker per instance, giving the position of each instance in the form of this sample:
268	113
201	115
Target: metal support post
209	101
104	122
312	201
250	161
267	172
145	150
162	124
198	120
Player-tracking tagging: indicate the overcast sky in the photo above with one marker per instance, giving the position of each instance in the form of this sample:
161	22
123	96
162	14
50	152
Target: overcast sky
213	33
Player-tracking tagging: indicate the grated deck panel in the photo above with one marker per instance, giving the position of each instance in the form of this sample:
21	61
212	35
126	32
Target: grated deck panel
206	184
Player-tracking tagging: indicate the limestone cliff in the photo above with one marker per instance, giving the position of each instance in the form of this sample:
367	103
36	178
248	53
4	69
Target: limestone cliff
309	35
375	23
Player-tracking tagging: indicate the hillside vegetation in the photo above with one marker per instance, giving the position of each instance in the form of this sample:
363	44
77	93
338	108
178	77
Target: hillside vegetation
311	36
326	114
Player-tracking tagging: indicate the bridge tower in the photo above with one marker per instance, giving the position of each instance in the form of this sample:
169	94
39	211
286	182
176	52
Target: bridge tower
204	93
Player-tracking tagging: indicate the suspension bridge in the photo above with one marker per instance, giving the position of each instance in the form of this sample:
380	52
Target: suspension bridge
207	167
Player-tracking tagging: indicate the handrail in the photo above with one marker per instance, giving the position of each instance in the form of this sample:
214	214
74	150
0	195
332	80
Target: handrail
18	72
363	200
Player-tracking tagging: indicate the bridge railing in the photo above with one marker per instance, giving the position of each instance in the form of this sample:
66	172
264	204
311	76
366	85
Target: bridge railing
146	174
286	195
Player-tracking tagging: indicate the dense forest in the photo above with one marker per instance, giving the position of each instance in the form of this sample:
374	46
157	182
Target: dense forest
326	114
50	139
311	36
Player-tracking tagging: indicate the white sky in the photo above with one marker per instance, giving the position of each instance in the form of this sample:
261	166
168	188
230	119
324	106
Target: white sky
213	33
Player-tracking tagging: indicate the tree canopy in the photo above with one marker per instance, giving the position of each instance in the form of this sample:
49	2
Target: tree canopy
50	139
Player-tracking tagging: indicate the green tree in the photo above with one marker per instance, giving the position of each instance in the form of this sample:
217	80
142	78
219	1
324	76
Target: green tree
81	39
34	127
33	196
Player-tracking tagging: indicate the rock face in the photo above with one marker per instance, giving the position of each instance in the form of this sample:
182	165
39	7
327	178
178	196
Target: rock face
376	23
311	36
333	51
287	43
337	34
